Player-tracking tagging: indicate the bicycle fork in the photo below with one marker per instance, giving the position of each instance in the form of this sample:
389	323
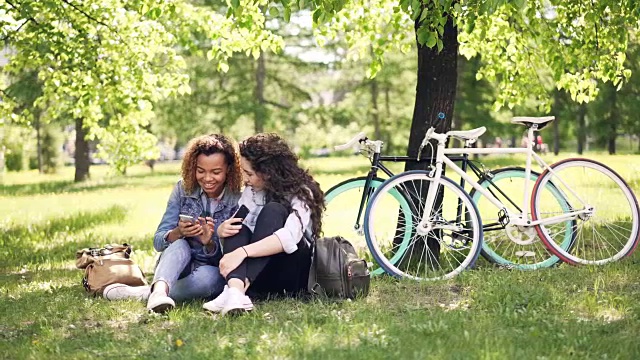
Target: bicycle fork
427	222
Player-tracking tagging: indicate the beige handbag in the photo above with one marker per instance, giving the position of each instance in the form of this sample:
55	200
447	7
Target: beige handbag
108	265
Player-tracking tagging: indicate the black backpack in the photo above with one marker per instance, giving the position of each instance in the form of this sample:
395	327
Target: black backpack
336	270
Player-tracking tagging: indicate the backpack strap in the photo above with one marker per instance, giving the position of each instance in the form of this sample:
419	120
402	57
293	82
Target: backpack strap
312	284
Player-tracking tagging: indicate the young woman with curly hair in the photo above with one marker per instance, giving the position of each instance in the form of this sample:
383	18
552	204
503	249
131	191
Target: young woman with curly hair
265	252
208	192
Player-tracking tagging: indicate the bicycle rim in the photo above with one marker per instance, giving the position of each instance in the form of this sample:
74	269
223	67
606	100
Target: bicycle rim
609	231
441	253
507	185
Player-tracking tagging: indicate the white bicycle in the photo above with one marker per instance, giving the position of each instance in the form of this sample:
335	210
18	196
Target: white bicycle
582	211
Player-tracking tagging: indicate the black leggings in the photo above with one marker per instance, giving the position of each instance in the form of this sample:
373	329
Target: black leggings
275	274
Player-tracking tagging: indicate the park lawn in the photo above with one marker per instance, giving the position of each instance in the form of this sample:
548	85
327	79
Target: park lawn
563	312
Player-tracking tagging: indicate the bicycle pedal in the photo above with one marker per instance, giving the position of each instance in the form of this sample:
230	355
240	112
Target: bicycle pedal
503	218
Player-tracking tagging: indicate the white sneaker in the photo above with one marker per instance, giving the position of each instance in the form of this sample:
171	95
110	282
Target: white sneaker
216	305
122	292
237	303
159	302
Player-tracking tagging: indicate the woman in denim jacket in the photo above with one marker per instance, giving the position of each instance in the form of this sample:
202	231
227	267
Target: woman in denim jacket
191	251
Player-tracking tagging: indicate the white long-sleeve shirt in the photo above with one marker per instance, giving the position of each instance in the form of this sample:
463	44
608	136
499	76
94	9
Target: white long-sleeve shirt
294	227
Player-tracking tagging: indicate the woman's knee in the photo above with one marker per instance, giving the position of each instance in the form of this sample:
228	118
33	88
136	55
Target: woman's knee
178	250
179	245
275	208
209	278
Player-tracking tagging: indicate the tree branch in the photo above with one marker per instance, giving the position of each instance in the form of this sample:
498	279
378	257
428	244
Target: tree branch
87	15
76	8
15	31
596	28
30	18
282	106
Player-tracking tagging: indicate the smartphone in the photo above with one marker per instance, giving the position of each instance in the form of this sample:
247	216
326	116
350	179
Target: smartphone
189	218
242	212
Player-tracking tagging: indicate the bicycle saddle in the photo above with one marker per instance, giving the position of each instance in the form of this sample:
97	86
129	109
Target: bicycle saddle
529	121
468	134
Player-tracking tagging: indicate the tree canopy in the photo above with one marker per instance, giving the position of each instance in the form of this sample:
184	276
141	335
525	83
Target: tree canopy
105	64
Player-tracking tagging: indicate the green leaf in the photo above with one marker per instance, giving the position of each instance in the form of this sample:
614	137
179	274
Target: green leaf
471	23
423	34
238	11
273	11
316	15
287	14
235	3
518	4
431	39
154	13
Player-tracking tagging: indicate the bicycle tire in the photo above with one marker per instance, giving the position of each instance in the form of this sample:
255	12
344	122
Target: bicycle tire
456	249
343	200
507	185
609	232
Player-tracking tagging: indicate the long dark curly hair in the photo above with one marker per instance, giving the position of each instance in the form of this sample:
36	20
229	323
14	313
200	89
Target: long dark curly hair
208	145
284	179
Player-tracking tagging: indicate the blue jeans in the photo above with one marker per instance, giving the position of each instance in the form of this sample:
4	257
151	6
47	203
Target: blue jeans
186	278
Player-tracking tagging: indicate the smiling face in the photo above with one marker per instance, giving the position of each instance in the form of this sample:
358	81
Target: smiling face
211	173
251	178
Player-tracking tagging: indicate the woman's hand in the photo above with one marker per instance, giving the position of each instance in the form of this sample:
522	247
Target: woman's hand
229	227
231	261
207	230
189	229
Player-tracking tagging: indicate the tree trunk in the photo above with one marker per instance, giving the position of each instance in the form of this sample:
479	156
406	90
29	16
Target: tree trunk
82	153
2	163
259	111
613	121
375	116
582	128
556	136
435	90
435	93
556	125
38	140
3	150
387	106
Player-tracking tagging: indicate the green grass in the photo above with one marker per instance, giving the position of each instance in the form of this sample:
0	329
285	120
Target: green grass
563	312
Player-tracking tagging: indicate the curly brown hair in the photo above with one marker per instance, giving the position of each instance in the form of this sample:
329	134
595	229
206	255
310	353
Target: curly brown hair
208	145
284	179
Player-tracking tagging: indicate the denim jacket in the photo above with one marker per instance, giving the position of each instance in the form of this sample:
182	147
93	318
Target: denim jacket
191	204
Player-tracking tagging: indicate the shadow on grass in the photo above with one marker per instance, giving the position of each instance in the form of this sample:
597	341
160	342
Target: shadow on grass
17	243
51	187
68	186
40	322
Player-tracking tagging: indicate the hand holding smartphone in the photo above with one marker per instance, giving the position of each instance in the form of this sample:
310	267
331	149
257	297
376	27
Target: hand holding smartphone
188	218
242	213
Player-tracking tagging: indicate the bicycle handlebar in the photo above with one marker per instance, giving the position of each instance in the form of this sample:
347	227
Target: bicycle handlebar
361	136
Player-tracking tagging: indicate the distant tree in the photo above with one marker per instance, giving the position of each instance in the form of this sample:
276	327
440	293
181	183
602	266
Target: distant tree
105	63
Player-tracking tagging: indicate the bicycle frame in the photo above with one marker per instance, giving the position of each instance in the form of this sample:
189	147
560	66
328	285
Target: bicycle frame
518	219
377	164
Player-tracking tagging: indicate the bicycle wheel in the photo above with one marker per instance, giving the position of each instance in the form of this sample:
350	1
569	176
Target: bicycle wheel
341	216
513	246
450	246
607	231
